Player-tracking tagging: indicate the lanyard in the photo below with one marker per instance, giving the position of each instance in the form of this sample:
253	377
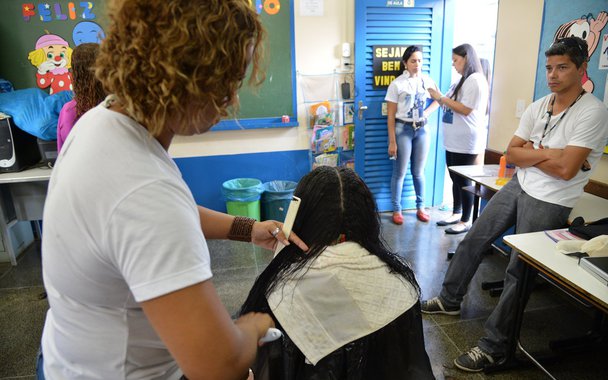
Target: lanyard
550	113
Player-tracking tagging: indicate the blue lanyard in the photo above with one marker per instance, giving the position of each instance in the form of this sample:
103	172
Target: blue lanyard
550	113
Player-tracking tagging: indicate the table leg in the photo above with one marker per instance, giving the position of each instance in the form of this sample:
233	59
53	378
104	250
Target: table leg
511	361
8	244
476	202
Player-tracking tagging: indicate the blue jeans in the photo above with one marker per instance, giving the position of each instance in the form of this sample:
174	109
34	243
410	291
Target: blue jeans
39	366
510	206
412	144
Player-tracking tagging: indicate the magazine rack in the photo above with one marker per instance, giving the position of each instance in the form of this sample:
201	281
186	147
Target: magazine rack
328	101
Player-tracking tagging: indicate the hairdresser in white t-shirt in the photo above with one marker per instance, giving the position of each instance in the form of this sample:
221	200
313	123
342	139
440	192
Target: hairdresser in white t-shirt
464	129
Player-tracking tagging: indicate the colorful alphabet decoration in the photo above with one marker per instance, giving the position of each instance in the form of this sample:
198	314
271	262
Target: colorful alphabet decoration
48	13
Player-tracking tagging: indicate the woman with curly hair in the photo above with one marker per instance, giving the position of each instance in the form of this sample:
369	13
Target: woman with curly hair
88	91
125	262
349	306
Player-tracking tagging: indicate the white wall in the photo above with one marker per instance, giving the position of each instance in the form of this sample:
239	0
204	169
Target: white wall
318	42
514	67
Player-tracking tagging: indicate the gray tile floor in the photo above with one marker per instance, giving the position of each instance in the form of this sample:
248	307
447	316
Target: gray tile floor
549	315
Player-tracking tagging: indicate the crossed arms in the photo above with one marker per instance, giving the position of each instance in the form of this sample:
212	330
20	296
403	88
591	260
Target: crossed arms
560	163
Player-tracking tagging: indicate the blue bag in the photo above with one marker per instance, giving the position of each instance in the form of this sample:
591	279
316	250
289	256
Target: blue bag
35	111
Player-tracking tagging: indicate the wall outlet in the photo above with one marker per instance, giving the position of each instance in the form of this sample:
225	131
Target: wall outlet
520	107
346	49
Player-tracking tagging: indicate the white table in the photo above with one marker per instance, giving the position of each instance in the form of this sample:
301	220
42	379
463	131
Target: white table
589	206
539	252
22	198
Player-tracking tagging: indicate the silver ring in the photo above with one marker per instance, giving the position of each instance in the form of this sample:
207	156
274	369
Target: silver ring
275	232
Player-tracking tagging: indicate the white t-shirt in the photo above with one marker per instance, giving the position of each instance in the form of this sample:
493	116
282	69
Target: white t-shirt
469	134
120	227
584	125
410	94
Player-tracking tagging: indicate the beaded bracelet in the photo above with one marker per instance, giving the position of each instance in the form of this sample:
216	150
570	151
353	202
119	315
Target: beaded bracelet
241	229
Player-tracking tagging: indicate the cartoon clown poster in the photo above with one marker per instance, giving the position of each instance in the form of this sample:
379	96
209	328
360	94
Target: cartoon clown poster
52	58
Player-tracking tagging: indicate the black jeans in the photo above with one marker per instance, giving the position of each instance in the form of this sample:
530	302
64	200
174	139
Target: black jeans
463	200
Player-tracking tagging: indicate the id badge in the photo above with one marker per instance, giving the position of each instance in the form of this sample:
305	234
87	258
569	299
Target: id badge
448	116
415	115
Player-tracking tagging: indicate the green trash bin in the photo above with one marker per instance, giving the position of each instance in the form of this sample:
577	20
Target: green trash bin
242	197
276	198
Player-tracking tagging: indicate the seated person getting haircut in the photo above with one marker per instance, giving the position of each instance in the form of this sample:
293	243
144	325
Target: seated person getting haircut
349	306
88	90
557	146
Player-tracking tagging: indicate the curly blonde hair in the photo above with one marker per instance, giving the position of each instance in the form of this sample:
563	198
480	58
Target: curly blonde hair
163	59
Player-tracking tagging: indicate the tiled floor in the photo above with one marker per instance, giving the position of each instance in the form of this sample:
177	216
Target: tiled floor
549	315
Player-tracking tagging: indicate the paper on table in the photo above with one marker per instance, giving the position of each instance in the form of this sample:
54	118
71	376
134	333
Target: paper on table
561	234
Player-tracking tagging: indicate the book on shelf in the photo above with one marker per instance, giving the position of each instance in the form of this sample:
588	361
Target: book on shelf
561	234
596	266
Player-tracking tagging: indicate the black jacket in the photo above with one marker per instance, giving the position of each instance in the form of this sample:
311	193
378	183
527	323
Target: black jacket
395	352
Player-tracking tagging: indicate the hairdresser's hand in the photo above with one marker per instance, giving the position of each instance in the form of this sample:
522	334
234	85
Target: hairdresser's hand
261	322
435	93
262	235
45	67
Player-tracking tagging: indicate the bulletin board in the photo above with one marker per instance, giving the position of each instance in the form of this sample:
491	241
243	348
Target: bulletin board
75	22
23	23
586	19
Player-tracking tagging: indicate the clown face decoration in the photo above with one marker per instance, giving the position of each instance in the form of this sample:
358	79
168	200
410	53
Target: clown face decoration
52	58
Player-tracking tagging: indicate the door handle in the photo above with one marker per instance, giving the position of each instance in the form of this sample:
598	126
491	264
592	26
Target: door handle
361	109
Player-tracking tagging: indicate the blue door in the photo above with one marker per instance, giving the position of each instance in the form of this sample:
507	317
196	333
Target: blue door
427	24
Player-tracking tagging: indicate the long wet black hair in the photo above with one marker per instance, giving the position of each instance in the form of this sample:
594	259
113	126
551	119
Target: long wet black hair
335	202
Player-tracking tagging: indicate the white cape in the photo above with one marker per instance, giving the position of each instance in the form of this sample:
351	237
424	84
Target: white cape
345	294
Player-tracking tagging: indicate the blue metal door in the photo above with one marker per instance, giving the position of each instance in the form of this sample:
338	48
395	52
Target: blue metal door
428	24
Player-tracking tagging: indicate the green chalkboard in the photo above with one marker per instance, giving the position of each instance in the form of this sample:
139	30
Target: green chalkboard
23	23
74	22
276	97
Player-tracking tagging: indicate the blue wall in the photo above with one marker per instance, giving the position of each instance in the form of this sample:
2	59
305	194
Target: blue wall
205	175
